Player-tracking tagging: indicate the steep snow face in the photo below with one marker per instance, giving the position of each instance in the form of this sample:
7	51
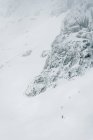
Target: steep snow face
18	18
21	61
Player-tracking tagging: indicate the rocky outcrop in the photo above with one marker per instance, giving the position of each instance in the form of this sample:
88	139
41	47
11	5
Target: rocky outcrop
70	56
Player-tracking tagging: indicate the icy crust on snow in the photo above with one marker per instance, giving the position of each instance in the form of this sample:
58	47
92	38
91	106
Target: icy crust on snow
71	54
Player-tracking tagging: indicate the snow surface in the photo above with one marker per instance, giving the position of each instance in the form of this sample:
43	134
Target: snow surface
62	113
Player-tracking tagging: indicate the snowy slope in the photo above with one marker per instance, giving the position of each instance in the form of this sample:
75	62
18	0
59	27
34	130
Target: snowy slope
17	71
62	113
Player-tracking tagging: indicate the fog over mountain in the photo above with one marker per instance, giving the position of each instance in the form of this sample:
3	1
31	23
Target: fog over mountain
28	7
25	7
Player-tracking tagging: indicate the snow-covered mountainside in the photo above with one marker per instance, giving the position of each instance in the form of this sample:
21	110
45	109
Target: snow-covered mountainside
46	47
71	53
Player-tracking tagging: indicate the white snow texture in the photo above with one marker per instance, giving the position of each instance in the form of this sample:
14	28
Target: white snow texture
46	49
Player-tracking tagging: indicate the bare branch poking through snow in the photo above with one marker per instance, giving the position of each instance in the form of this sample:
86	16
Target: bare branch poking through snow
83	21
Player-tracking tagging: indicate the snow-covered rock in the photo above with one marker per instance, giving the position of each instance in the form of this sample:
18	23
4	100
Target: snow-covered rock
71	53
61	113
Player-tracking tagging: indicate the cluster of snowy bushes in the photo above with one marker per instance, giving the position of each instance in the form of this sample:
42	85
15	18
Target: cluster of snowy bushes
71	53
